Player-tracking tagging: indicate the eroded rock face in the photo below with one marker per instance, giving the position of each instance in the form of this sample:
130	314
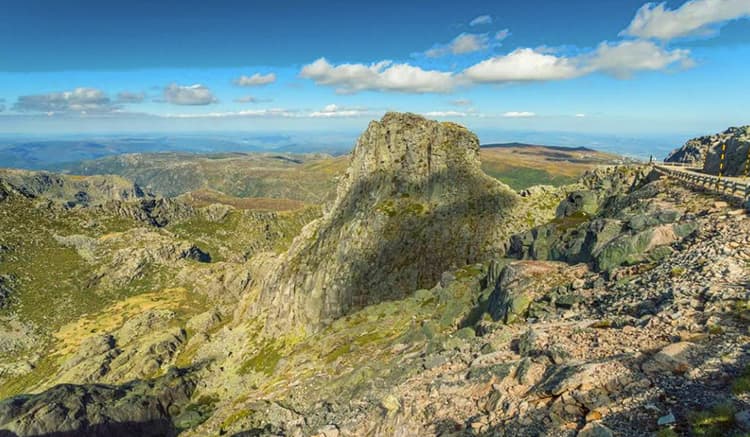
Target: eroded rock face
707	150
413	202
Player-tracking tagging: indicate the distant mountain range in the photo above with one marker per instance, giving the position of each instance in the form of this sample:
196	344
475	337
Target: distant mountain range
523	145
52	154
39	153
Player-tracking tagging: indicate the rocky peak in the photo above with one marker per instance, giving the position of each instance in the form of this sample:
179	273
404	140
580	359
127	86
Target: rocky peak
413	203
411	149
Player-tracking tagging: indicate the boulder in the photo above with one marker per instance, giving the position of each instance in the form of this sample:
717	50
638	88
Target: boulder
673	358
595	429
138	408
628	249
584	202
520	283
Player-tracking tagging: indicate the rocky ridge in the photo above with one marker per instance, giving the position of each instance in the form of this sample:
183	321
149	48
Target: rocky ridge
72	190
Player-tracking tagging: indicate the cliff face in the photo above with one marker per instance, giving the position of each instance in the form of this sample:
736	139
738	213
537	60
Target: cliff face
706	150
412	204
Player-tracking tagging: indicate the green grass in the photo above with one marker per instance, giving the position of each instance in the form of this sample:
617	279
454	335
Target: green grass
741	385
53	282
715	422
520	178
44	368
263	361
244	233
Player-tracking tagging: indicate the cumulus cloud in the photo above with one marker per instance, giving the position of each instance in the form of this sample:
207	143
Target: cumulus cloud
332	110
129	97
627	57
256	79
82	100
579	115
620	59
519	114
695	17
522	65
482	19
194	95
380	76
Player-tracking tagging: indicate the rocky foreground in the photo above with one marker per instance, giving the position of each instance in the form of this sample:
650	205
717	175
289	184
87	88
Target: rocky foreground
618	305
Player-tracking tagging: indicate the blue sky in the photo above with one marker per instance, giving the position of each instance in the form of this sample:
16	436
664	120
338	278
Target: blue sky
614	67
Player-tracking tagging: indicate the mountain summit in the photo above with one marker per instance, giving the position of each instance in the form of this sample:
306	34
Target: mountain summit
413	203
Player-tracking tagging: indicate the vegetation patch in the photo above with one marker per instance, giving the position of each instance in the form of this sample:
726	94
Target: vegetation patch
715	422
264	360
741	385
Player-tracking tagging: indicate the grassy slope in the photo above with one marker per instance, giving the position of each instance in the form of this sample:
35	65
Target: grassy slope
54	291
524	166
307	178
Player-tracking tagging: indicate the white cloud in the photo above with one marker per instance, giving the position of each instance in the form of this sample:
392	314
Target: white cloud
502	34
246	99
193	95
519	114
522	65
621	60
579	115
82	100
130	97
443	114
624	58
256	113
256	79
695	17
331	111
380	76
465	43
482	19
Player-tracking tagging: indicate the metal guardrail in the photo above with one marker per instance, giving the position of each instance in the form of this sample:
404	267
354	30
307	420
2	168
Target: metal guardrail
680	164
708	182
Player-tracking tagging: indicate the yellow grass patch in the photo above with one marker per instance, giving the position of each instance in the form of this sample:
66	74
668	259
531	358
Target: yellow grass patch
70	336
